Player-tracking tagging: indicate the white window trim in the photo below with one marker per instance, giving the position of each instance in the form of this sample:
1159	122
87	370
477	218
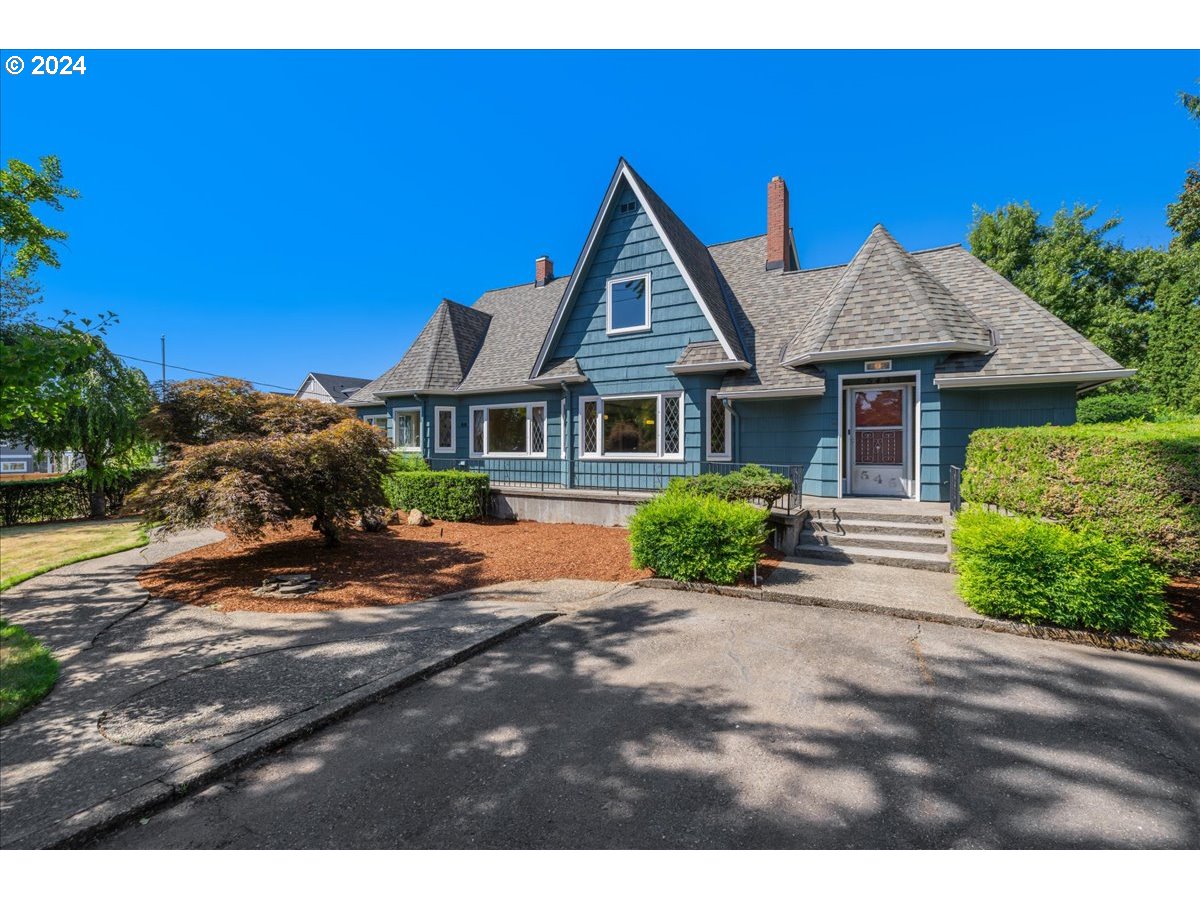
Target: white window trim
632	457
396	413
529	408
708	454
608	326
6	465
437	429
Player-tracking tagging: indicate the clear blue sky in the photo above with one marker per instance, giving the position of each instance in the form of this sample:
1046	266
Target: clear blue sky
276	213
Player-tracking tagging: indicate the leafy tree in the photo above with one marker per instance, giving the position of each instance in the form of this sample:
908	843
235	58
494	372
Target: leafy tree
1071	267
36	360
103	421
27	242
245	460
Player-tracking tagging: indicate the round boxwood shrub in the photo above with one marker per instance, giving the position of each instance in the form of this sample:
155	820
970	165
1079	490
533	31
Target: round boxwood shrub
697	537
1040	572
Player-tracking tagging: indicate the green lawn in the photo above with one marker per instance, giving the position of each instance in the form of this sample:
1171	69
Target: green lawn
28	550
27	671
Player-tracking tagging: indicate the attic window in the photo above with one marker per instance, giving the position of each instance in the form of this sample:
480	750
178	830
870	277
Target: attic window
628	304
629	206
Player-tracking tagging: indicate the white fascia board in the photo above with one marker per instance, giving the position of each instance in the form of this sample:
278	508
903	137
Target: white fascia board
1092	378
589	246
723	365
889	350
772	393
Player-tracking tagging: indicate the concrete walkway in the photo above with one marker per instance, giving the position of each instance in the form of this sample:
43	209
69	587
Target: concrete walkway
156	695
887	587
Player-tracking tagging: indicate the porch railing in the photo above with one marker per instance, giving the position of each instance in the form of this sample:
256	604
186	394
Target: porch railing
619	477
955	489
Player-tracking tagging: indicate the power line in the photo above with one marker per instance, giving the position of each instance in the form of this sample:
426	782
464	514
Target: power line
155	362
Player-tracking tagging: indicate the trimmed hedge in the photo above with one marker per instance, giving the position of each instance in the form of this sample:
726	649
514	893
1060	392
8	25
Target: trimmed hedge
1041	572
1137	482
60	497
1097	408
449	495
750	482
697	537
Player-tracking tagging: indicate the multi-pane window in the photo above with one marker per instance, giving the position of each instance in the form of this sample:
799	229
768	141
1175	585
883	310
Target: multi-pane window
672	424
650	425
509	430
445	429
591	433
408	429
629	304
717	428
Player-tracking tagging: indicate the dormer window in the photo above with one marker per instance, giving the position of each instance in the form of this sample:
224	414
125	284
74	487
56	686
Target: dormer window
628	304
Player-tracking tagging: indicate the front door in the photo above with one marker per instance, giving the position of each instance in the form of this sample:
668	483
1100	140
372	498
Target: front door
878	440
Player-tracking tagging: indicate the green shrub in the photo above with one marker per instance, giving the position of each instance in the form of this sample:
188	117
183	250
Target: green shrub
697	537
407	462
450	495
1096	408
751	482
1137	482
58	497
1040	572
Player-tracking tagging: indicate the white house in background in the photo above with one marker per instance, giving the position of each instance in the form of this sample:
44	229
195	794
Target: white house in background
328	388
21	459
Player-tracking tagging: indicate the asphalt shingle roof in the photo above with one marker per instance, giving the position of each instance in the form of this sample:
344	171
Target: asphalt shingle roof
884	298
339	387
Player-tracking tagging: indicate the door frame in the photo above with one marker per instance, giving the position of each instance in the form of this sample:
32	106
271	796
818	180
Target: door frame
846	383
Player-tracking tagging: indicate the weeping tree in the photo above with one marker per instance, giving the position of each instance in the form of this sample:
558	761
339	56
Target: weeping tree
243	460
103	419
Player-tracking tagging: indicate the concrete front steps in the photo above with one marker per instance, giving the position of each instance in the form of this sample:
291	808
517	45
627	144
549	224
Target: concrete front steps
898	536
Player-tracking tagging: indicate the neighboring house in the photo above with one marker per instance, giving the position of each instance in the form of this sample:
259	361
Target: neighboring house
21	459
659	355
328	388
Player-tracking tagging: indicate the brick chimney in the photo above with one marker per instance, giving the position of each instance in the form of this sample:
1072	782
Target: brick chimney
545	271
779	250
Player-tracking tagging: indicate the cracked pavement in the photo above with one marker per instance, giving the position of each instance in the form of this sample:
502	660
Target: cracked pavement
151	689
659	718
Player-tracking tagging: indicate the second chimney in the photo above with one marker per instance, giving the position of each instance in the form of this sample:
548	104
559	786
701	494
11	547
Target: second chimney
545	271
779	250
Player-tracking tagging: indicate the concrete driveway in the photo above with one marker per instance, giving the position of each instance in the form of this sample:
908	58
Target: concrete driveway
667	719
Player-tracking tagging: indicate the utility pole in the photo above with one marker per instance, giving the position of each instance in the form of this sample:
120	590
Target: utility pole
164	367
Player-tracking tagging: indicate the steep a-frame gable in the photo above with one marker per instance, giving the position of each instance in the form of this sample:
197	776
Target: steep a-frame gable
635	232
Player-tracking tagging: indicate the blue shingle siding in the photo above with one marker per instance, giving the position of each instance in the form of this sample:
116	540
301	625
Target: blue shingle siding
804	431
631	363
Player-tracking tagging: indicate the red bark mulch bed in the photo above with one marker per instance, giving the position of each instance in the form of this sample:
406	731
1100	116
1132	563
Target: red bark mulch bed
1184	596
399	565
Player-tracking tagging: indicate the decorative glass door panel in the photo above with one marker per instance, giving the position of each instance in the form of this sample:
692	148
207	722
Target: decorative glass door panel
879	441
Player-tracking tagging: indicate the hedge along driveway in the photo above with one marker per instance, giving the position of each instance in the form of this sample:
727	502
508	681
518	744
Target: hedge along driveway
31	550
1137	481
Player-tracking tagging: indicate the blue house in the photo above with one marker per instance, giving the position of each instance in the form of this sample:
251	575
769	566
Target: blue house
660	356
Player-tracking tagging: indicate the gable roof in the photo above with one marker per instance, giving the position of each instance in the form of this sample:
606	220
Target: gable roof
689	255
440	357
885	300
778	324
339	387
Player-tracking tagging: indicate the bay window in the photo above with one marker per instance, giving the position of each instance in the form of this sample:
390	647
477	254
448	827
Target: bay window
645	426
509	429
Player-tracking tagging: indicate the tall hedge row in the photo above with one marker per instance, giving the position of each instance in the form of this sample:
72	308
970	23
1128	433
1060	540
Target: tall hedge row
60	497
1138	482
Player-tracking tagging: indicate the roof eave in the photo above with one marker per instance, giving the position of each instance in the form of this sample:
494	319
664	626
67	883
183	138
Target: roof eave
889	350
773	393
1085	380
721	365
558	379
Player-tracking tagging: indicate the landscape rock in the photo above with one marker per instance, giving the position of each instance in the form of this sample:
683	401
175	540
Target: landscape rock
416	517
296	584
